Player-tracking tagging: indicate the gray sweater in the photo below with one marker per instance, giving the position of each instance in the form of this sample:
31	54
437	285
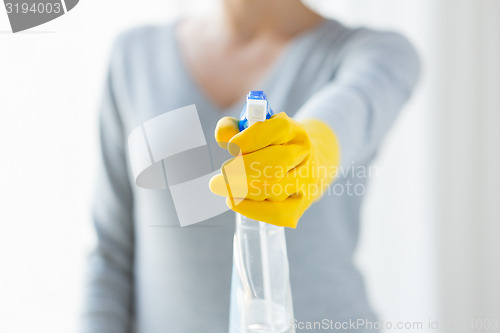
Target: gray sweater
146	273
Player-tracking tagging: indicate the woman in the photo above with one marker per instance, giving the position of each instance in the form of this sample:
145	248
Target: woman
150	275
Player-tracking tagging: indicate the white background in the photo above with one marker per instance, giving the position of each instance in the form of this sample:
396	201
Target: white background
50	83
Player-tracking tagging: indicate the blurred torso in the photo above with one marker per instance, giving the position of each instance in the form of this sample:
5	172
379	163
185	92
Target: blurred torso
227	64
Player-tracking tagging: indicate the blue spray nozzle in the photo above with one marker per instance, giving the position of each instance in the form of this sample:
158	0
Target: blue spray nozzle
254	98
257	94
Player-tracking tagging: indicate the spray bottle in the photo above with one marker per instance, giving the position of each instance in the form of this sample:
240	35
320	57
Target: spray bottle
261	298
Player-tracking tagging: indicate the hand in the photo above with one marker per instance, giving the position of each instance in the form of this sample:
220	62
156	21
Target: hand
287	166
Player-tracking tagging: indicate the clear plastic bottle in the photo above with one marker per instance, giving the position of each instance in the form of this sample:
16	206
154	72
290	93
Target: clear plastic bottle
261	297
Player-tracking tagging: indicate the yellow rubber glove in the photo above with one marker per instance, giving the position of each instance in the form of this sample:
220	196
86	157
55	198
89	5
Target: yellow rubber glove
287	166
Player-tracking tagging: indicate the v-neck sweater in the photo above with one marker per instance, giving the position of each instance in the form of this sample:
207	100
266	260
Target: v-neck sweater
148	274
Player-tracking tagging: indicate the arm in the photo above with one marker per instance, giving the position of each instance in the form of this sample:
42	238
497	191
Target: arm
109	288
376	77
350	115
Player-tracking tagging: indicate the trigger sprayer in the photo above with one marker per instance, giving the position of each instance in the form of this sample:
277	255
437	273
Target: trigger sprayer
261	298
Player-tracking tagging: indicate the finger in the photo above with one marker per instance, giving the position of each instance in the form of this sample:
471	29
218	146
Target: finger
273	162
218	186
253	190
279	129
258	173
226	128
224	187
272	192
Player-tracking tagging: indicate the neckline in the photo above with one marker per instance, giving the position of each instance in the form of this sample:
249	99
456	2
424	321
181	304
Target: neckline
264	82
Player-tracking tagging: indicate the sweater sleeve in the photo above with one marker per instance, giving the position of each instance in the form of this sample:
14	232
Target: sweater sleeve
109	286
376	75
